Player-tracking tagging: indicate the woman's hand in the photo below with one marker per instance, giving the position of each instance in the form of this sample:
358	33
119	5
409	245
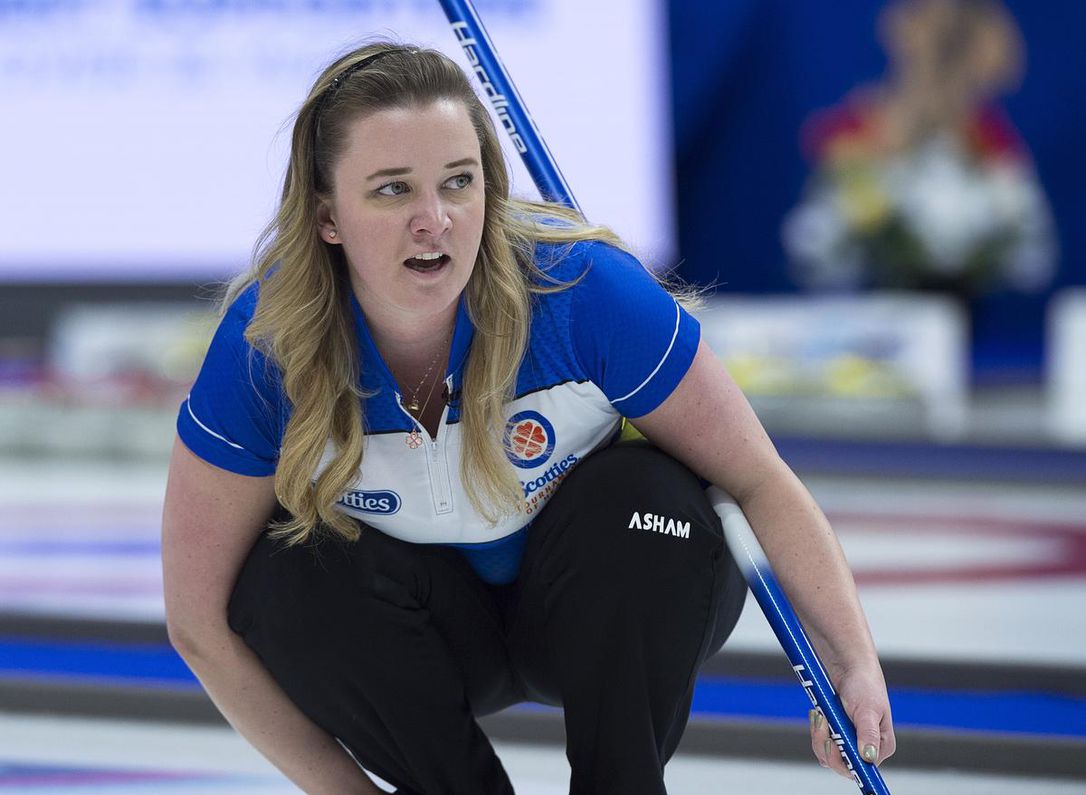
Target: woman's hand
862	691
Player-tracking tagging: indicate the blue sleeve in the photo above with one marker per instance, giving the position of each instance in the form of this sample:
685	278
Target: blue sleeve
232	416
631	338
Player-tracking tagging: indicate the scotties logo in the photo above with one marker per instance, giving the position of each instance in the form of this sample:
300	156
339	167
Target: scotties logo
529	439
383	502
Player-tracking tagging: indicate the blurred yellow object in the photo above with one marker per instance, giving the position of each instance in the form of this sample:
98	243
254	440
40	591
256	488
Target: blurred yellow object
182	359
743	369
850	375
861	200
764	375
629	433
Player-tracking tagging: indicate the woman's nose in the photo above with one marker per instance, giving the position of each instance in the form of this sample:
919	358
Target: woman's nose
431	216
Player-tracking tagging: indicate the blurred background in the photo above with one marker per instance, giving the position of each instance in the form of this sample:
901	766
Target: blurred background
884	199
925	147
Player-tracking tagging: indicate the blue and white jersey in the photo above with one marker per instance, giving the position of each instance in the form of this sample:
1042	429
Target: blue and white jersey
614	344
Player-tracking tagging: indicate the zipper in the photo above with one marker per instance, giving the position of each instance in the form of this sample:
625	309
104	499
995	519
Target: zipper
437	462
439	468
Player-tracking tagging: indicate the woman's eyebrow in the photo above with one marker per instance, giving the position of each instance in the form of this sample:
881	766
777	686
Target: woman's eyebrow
399	172
389	172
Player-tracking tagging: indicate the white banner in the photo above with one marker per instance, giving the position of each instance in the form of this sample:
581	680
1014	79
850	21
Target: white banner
1066	375
887	365
146	139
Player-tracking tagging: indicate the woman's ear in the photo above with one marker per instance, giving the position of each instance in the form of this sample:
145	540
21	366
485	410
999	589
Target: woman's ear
326	225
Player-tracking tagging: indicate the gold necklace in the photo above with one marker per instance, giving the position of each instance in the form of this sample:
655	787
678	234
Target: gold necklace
413	406
414	438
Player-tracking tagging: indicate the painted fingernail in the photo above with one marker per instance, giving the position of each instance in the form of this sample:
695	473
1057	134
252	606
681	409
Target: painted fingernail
870	754
811	717
817	719
828	748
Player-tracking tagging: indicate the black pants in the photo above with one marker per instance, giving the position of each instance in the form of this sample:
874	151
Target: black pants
396	648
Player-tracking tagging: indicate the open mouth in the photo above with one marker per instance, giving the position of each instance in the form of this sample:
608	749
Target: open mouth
426	264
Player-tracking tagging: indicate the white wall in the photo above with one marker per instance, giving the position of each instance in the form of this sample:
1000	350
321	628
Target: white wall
145	139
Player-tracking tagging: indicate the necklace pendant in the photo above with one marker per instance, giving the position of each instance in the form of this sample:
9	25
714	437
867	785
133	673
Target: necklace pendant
414	439
413	405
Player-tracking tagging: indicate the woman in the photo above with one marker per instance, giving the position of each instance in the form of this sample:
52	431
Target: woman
395	504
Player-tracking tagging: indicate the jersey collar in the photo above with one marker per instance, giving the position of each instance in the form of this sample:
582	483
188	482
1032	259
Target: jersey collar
374	370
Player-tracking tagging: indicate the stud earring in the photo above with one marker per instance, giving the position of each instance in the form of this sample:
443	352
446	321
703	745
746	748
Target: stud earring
331	233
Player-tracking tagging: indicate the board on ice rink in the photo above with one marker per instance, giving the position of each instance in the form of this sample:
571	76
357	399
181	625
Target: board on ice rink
947	570
83	756
952	571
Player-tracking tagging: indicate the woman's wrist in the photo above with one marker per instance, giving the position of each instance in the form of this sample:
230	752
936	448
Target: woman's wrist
851	651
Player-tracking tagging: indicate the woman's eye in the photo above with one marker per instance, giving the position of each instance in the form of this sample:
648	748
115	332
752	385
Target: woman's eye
460	181
393	189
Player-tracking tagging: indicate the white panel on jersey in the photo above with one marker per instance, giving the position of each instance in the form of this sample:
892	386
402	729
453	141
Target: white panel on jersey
400	489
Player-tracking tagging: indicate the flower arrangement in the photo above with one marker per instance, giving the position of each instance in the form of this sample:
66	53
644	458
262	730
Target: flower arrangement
921	183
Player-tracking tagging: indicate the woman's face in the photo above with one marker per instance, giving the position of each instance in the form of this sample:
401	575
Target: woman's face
408	208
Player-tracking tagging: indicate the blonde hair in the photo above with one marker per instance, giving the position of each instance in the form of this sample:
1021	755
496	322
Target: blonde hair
303	319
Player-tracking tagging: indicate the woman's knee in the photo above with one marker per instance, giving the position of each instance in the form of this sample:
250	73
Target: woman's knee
635	469
292	593
348	612
633	508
